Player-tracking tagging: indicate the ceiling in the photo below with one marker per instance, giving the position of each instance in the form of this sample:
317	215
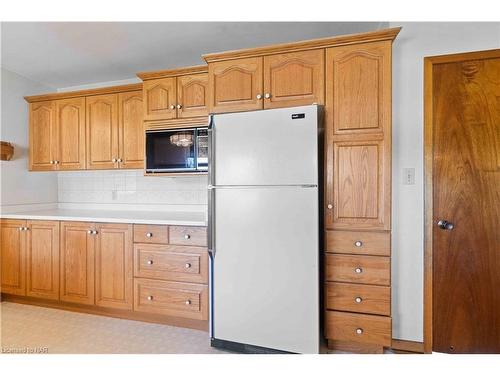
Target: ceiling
64	54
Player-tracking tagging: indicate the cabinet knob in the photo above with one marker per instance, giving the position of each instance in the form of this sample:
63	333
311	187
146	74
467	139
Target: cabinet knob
358	270
51	162
149	234
26	228
94	232
259	96
89	231
330	206
20	229
187	236
150	262
56	161
113	160
172	106
359	331
187	265
358	243
150	298
179	106
119	160
188	302
267	95
358	299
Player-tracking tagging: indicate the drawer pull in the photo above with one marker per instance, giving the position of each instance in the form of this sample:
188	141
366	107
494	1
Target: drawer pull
150	262
187	236
187	265
358	243
150	298
358	299
149	234
359	331
188	302
358	270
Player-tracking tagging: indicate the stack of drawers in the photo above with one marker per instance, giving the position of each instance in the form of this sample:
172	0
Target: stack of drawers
171	271
358	288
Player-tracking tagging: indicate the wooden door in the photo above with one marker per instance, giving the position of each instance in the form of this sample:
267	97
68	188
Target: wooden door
77	262
465	107
160	99
294	79
192	95
42	274
13	256
43	149
131	130
113	261
236	85
102	131
70	125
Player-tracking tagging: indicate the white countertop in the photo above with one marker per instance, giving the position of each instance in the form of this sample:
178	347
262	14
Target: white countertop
113	216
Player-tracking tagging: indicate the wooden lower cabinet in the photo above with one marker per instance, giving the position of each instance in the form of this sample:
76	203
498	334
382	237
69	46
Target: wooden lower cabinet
78	243
113	266
13	256
42	258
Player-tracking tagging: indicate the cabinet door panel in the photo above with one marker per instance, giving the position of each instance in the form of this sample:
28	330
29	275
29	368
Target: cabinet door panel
131	130
294	79
358	86
360	190
70	125
114	270
77	263
102	131
234	85
42	136
43	259
192	94
13	257
159	96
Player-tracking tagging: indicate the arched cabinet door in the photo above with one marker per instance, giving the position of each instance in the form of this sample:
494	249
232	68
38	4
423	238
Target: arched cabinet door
70	125
160	99
43	147
294	79
131	130
236	85
192	95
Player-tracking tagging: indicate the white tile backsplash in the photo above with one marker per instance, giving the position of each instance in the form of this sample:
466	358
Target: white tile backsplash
130	189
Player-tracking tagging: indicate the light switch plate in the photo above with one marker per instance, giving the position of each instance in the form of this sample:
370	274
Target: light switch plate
408	176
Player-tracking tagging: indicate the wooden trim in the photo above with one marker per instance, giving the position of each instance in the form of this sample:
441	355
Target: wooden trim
176	123
476	55
6	150
354	347
373	36
407	346
201	325
172	72
80	93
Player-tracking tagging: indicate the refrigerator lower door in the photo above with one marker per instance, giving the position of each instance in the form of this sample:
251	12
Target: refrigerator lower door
265	280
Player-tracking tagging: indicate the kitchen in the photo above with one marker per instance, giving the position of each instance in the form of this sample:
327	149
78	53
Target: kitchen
237	198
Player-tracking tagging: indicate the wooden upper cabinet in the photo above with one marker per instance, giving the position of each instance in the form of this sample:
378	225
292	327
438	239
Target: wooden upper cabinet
43	148
70	133
77	262
160	99
236	85
102	131
294	79
358	86
192	95
131	130
358	187
13	256
43	259
113	262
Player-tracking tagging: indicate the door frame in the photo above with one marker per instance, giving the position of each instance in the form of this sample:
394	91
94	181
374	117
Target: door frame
429	63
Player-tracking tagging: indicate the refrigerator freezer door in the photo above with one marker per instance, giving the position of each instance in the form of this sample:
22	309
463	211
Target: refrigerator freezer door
271	147
265	285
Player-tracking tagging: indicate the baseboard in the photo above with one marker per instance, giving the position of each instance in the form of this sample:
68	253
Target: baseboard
201	325
407	346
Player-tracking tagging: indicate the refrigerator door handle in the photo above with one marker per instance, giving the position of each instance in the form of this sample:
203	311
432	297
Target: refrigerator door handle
211	190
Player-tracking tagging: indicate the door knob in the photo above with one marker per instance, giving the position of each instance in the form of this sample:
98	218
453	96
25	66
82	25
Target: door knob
445	225
267	95
172	106
179	106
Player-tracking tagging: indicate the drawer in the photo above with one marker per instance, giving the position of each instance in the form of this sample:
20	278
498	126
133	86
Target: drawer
368	243
363	269
170	298
369	299
362	328
151	233
195	236
171	262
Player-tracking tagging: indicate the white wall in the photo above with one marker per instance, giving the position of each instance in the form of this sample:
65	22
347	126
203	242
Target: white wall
18	186
415	41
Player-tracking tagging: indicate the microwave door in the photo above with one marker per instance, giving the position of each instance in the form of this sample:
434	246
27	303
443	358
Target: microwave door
171	151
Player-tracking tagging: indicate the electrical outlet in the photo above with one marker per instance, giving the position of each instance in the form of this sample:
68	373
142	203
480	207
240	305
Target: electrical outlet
408	176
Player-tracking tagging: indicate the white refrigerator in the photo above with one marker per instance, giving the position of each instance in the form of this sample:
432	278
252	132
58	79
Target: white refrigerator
264	230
